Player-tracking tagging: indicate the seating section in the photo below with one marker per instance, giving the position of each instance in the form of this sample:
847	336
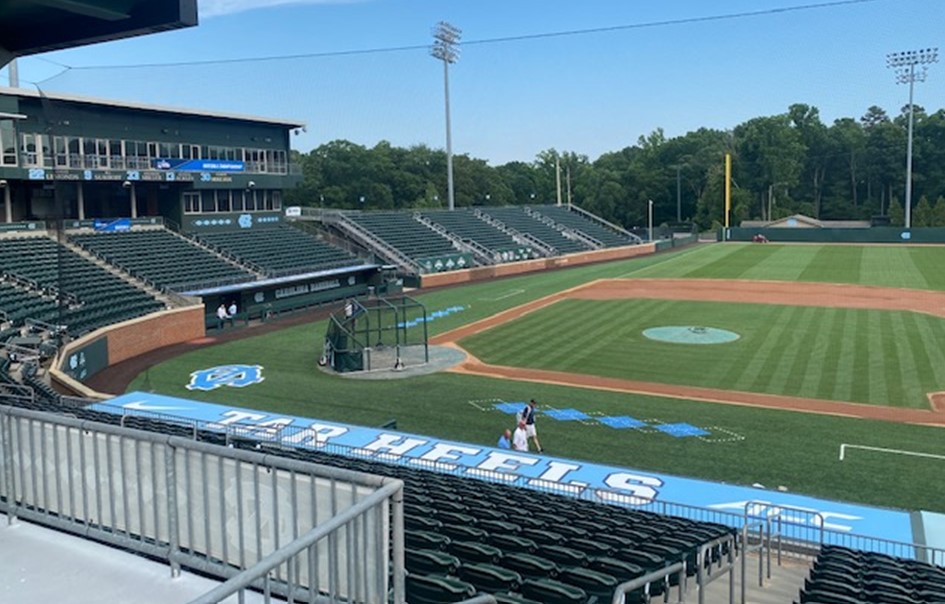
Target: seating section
573	220
17	303
466	225
281	250
515	217
845	576
92	296
465	536
163	258
403	232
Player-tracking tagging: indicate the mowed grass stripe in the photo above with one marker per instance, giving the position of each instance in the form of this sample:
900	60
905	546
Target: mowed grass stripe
861	360
767	353
787	262
842	387
735	264
876	367
928	260
910	376
892	267
926	354
834	264
820	345
892	362
787	376
809	363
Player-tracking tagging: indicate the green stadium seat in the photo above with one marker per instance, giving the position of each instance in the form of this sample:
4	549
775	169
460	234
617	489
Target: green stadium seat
432	589
549	591
490	578
428	561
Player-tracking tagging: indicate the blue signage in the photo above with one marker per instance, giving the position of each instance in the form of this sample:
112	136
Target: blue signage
112	226
578	478
199	165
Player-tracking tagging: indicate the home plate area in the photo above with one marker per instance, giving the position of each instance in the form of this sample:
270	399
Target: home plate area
710	434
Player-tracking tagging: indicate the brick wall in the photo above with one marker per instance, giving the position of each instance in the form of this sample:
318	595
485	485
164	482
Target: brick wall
133	338
138	336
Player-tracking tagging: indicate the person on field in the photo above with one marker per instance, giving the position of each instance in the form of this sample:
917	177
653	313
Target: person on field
505	441
520	438
528	416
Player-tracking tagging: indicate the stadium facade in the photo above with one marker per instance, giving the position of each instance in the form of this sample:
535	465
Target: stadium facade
79	158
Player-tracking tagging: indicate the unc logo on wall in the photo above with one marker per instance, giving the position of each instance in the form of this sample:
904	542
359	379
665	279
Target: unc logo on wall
235	376
245	221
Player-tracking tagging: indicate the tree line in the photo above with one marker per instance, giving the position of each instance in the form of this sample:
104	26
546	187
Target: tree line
790	163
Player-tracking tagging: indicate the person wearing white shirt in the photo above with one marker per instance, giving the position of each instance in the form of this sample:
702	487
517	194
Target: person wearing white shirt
520	438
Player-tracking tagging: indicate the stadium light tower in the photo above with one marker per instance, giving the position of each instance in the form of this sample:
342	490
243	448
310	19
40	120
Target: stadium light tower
446	48
905	65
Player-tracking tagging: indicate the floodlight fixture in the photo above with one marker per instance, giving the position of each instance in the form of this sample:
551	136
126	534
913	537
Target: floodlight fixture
446	48
904	63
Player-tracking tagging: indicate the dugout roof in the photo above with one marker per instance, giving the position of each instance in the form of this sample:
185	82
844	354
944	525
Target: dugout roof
35	26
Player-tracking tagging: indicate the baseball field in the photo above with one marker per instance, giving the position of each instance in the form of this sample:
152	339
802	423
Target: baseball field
818	346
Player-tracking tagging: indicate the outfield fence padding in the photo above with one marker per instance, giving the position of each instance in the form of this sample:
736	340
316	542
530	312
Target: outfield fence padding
928	235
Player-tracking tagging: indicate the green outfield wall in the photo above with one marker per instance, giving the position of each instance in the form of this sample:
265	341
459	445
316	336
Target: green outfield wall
815	235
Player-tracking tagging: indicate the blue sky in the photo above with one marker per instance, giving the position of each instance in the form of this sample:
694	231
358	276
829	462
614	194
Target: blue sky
589	93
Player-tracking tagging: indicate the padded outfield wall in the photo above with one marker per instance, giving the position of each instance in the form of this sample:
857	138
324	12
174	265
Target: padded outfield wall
931	235
530	266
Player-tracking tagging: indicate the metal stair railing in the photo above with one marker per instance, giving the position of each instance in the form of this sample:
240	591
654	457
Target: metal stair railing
370	240
522	238
481	253
568	231
648	579
595	218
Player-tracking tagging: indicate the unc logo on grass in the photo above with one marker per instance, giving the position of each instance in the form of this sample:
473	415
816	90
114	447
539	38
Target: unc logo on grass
235	376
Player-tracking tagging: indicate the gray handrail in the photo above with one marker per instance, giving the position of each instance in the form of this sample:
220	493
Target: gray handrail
724	566
261	569
624	588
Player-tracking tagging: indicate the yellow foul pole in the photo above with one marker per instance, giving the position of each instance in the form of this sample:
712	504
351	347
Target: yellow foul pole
728	187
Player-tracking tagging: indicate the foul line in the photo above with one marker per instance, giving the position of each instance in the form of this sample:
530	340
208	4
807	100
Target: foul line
845	446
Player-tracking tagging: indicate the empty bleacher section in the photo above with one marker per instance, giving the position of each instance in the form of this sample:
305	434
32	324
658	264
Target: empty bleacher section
400	230
465	536
280	250
468	227
516	219
163	258
846	576
583	223
34	270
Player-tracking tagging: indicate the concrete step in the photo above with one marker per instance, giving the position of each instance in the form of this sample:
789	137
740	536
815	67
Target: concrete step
782	588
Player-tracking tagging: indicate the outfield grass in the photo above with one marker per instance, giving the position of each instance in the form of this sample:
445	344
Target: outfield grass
866	356
796	450
916	267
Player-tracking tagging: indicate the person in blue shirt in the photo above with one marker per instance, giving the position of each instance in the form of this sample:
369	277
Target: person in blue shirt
528	416
505	441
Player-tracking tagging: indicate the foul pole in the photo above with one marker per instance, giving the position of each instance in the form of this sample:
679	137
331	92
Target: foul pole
728	187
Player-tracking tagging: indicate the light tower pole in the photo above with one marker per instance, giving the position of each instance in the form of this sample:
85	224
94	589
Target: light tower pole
905	65
446	48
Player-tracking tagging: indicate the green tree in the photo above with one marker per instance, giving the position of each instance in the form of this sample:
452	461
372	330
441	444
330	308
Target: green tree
922	216
897	216
938	212
816	139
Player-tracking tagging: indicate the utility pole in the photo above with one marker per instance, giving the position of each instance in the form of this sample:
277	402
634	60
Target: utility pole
446	48
558	178
905	65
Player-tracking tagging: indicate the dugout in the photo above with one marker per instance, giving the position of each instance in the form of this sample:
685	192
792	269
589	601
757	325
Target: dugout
262	300
376	333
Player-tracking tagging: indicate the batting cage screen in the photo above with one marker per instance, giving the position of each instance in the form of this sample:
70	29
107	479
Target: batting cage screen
376	333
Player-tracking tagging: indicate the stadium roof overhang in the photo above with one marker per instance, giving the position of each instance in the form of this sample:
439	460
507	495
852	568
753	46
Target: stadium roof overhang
35	26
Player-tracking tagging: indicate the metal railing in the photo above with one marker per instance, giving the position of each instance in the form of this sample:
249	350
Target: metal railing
292	528
663	576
